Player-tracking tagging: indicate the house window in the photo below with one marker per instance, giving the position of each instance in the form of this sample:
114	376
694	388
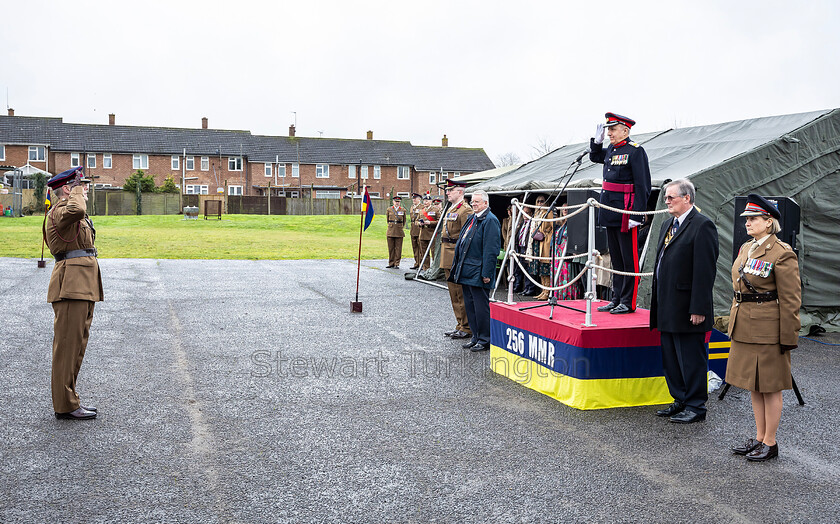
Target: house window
176	162
327	194
351	171
402	172
268	169
322	171
404	194
36	153
195	190
234	163
373	194
377	172
281	170
295	194
235	190
364	173
107	163
432	179
205	163
139	161
456	174
190	160
2	152
75	160
444	176
295	172
91	161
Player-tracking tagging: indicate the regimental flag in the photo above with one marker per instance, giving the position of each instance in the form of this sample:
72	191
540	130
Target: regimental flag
48	202
367	209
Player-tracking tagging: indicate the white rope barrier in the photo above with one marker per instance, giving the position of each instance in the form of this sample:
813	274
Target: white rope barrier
624	273
548	259
539	284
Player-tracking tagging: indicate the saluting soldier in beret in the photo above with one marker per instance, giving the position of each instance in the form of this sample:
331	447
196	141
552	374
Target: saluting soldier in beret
396	224
626	186
416	206
763	323
429	216
456	216
75	285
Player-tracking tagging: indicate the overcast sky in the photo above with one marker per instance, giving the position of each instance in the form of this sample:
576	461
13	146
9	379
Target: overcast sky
499	75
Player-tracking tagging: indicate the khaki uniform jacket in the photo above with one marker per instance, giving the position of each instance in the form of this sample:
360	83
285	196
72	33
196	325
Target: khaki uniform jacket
505	232
546	228
777	321
427	231
396	222
68	228
415	214
454	220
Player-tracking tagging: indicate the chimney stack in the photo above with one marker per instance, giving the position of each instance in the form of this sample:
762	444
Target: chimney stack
11	112
111	119
204	122
292	130
370	135
444	141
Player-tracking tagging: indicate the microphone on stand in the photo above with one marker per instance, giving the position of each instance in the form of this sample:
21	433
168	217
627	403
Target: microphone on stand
580	156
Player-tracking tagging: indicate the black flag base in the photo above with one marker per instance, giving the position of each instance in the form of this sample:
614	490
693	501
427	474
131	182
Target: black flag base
42	264
355	307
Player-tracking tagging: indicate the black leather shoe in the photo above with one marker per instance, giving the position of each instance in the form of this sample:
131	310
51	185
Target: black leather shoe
671	410
88	408
78	414
621	309
763	452
450	333
608	307
461	334
469	345
388	267
413	267
687	417
480	347
747	447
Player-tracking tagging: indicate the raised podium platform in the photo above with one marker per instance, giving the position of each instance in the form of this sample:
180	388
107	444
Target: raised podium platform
616	363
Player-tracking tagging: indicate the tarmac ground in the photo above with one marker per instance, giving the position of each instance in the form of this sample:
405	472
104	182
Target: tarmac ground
246	391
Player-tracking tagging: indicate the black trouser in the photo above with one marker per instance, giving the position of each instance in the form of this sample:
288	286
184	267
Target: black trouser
477	304
519	276
624	256
686	364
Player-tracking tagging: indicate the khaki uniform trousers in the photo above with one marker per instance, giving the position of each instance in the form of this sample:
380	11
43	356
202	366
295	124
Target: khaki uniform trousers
424	245
71	328
394	250
415	247
456	296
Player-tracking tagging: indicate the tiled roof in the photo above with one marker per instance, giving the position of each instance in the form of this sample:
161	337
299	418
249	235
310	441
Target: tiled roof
69	137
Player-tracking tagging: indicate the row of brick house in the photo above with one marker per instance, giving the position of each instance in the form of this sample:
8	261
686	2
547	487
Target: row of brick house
207	161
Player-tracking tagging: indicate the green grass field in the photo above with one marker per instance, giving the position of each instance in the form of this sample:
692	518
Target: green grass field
234	237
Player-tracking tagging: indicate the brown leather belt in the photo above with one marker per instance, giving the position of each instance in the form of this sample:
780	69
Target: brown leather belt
756	297
448	240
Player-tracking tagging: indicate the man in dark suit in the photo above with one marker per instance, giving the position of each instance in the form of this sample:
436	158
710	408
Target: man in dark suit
474	267
681	302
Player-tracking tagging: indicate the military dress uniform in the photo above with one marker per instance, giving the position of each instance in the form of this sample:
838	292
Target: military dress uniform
763	316
415	233
455	218
626	186
396	225
75	286
428	220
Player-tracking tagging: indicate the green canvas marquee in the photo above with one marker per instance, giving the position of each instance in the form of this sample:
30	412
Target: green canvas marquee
794	155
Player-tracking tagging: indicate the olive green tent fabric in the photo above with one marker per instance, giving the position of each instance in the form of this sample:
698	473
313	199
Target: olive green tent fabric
794	155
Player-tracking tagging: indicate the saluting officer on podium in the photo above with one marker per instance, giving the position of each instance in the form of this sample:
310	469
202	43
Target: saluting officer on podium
626	186
75	286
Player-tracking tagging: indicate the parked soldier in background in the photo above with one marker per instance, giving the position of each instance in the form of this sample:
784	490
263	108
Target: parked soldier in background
75	285
456	216
396	224
416	207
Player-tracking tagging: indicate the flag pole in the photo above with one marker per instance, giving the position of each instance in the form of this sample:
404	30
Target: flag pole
356	306
41	263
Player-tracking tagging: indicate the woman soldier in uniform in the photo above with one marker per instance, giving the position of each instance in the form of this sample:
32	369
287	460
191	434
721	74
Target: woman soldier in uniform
763	324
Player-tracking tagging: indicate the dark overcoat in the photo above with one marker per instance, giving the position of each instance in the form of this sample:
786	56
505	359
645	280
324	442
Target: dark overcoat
476	251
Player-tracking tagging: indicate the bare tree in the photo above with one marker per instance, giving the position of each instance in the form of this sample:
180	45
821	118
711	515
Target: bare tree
508	159
543	147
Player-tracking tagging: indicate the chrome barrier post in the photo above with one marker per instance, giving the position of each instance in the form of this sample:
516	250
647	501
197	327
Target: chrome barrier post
511	247
591	284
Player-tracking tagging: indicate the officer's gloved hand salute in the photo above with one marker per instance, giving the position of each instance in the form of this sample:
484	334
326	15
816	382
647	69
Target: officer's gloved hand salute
599	134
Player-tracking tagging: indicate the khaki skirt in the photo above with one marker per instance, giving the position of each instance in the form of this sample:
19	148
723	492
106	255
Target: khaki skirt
758	367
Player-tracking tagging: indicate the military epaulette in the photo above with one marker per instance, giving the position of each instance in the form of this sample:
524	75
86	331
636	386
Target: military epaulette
784	245
634	144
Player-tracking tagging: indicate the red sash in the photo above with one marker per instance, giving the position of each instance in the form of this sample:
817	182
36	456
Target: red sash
629	195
